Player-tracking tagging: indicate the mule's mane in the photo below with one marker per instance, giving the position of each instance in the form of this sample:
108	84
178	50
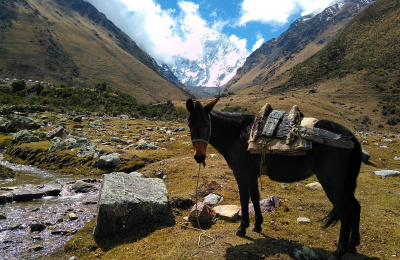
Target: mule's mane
233	118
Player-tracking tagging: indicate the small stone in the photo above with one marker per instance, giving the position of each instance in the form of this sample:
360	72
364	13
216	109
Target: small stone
212	199
202	212
397	158
301	220
314	186
37	227
35	247
3	216
72	216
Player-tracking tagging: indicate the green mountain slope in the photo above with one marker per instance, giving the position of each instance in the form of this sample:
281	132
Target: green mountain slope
70	42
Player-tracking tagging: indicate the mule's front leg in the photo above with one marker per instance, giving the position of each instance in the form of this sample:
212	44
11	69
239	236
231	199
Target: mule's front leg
244	202
255	198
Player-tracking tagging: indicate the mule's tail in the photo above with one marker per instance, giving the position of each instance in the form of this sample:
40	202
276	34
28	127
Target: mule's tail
350	183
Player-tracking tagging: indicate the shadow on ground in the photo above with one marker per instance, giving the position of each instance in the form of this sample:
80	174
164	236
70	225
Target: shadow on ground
266	247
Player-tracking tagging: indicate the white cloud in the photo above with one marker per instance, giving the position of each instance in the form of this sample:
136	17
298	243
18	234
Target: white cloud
240	43
278	12
259	42
162	33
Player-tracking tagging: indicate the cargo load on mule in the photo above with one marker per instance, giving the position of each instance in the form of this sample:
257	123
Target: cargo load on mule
289	134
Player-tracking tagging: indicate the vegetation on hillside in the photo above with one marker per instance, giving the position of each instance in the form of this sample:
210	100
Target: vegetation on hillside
100	99
368	46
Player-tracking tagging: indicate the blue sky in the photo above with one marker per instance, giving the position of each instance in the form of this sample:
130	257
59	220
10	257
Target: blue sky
165	28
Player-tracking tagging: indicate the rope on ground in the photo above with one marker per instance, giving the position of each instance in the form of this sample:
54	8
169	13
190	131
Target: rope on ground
203	232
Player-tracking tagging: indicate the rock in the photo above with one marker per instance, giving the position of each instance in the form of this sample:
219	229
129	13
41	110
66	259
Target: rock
301	220
267	205
56	144
24	136
142	146
21	122
365	156
212	199
118	140
71	143
3	216
204	213
314	186
29	192
131	202
35	247
387	173
83	187
109	160
397	157
57	132
227	212
88	149
72	216
73	258
37	227
78	119
305	253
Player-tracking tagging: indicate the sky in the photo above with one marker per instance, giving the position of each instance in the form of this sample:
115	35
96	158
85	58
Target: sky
165	28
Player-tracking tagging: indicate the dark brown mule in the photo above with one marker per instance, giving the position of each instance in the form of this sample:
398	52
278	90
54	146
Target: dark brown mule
336	168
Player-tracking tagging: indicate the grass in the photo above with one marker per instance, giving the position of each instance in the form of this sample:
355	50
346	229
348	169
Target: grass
281	235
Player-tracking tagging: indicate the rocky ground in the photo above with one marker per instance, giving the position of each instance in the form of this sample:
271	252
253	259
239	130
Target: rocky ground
96	145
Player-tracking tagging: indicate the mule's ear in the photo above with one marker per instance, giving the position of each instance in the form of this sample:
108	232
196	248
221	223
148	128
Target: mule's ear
189	105
210	106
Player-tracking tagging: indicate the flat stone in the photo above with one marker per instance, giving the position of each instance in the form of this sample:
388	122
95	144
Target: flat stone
387	173
35	248
302	220
227	212
130	202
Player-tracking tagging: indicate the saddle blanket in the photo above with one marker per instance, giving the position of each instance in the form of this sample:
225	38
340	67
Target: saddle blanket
273	132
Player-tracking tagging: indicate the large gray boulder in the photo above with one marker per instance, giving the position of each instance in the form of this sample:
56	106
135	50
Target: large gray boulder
109	160
129	202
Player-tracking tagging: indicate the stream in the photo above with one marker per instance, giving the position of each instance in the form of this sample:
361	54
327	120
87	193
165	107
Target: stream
56	218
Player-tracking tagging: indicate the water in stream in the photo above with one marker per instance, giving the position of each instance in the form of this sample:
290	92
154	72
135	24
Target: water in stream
52	212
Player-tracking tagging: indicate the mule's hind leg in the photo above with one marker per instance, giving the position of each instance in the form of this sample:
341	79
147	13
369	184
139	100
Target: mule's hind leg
255	198
355	228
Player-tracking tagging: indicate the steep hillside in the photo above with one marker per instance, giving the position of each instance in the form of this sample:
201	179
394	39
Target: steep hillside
305	37
355	79
71	42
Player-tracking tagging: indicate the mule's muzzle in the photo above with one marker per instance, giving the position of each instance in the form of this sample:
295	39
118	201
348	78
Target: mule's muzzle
200	158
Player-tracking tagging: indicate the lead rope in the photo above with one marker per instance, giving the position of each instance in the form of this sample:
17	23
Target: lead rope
203	232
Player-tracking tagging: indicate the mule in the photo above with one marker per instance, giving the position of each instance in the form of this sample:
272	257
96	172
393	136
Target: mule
336	168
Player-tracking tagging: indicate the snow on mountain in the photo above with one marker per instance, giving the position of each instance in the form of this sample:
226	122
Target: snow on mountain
216	66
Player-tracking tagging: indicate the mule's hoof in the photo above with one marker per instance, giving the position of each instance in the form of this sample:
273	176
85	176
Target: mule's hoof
352	250
257	229
241	233
332	257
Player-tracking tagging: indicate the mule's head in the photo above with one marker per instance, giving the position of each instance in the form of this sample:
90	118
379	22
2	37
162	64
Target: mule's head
200	127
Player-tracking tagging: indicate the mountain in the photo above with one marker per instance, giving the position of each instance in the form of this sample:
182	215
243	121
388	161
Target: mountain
354	79
215	66
69	41
305	37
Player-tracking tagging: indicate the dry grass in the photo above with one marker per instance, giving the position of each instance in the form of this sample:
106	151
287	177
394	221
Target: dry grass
281	234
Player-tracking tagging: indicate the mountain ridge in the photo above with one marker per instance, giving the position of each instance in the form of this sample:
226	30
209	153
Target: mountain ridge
305	37
70	42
